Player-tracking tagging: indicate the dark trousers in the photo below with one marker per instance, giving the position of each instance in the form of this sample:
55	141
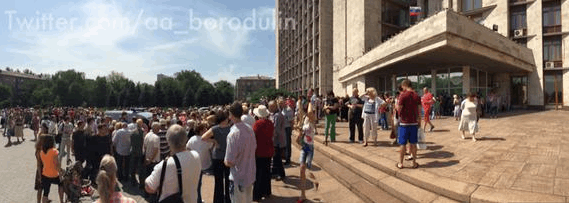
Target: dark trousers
93	162
288	133
278	168
135	163
200	188
123	163
356	122
221	176
262	187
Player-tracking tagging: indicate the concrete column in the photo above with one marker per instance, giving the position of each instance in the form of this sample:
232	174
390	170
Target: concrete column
465	79
434	82
393	84
565	89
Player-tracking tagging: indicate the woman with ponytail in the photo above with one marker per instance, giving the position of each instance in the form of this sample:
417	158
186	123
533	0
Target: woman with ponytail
107	181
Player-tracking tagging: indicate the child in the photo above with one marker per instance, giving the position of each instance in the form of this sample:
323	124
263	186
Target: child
306	141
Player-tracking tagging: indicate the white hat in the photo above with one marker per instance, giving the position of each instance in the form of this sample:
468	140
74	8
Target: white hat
261	111
131	127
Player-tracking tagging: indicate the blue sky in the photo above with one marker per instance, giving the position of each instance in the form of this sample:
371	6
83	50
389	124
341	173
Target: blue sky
221	39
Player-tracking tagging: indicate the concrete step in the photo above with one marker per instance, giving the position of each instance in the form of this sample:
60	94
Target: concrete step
372	184
446	189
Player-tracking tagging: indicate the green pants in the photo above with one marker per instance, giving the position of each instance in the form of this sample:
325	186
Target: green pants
330	123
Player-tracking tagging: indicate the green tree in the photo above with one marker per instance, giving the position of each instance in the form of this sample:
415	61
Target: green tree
225	91
5	95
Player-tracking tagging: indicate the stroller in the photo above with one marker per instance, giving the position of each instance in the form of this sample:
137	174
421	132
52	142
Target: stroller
73	185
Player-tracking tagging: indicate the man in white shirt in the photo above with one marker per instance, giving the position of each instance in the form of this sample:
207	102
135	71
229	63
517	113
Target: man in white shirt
190	165
240	157
151	150
121	141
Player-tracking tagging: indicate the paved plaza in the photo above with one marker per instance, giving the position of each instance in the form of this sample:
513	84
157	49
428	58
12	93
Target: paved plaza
522	155
18	166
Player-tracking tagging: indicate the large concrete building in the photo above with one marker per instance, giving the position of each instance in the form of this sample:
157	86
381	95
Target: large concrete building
512	47
245	86
304	45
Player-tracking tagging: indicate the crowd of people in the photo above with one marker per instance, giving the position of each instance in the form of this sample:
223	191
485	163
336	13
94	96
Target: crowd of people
244	146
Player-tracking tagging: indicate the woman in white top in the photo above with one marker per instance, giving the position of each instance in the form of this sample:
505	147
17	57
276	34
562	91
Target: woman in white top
468	117
370	114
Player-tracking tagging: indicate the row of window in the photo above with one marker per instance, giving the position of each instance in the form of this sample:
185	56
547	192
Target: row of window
551	15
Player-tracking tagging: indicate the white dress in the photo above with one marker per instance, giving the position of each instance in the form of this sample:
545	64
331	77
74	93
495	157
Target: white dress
468	117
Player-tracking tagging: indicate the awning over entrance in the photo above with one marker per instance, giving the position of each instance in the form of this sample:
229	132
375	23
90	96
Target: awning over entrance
443	40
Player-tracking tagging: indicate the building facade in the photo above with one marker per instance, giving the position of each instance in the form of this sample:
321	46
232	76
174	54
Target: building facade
303	44
512	48
245	86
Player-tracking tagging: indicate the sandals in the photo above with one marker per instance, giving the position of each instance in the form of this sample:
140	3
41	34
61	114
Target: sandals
409	158
399	165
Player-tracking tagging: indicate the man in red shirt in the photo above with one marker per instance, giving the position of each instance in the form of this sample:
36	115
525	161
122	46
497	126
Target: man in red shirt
427	100
408	106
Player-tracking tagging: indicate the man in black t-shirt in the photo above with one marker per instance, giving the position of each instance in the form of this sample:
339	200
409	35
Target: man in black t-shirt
355	116
332	109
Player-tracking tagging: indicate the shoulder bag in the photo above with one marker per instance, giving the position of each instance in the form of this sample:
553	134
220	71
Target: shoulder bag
176	197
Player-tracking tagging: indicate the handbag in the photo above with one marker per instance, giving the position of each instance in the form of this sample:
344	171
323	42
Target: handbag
176	197
421	140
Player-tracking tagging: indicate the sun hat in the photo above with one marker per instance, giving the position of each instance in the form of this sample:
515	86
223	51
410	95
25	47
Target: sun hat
261	111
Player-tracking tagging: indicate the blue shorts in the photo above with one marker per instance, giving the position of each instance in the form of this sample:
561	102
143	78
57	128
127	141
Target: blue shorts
407	134
306	155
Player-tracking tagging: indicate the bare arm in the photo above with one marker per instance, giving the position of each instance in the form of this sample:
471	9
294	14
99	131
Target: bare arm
207	135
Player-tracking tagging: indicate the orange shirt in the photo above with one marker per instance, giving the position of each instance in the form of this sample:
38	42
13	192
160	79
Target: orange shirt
48	159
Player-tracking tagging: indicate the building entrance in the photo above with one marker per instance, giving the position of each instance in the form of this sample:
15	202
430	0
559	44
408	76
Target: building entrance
519	91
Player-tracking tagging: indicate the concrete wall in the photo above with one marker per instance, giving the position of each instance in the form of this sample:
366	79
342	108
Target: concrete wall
356	29
372	24
566	88
326	46
535	79
498	16
339	41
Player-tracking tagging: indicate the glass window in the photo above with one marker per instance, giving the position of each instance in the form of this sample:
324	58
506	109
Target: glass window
551	78
468	5
552	48
518	18
552	13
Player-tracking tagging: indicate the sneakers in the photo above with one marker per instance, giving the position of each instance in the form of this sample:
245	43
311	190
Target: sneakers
473	139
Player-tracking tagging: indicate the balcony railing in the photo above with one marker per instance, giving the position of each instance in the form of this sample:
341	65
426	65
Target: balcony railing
552	29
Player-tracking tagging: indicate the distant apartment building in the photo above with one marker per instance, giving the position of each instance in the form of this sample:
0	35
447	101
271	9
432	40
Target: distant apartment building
245	86
304	45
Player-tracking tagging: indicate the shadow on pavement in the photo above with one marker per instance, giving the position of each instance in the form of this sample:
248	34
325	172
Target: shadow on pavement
512	113
491	139
293	182
285	200
441	130
436	155
439	164
434	147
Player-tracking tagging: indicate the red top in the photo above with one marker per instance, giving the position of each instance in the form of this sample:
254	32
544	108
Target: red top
427	100
264	130
409	102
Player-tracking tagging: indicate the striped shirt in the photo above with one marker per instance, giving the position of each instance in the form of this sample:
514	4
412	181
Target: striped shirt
164	148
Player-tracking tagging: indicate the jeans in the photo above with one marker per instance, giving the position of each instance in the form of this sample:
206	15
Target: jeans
123	163
65	147
383	121
330	123
288	133
262	186
221	176
278	168
356	122
493	111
